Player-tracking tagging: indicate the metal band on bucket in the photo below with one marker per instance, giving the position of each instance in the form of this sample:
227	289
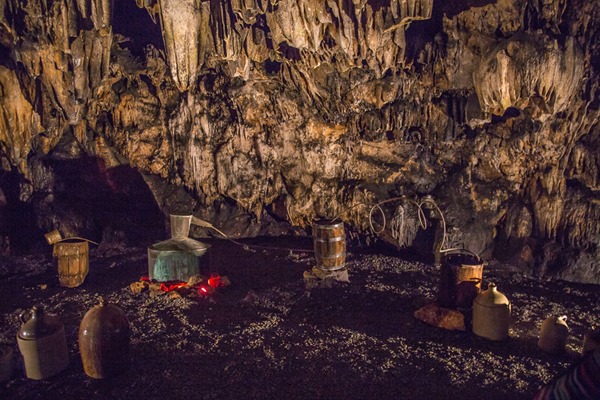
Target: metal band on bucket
324	224
331	240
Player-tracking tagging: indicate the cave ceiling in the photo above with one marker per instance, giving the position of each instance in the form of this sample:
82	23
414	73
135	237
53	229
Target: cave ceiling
296	109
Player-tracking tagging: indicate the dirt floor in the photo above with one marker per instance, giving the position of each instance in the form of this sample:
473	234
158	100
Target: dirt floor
267	337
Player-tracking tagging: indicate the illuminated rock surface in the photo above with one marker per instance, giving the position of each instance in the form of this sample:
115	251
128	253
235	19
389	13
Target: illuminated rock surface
276	112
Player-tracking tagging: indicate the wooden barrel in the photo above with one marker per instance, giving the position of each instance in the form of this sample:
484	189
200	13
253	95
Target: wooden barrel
73	262
330	245
460	279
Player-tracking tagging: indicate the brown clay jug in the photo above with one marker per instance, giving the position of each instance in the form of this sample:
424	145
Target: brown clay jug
491	314
43	344
553	334
104	341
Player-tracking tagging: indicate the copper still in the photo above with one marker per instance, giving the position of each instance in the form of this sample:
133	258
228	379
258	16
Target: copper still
177	258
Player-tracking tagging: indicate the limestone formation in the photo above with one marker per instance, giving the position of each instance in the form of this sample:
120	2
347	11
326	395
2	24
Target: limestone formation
19	122
181	23
263	111
529	70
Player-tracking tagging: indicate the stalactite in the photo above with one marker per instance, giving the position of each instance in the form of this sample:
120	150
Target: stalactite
300	23
248	10
585	167
181	23
527	67
69	69
317	104
99	11
581	226
152	6
548	215
547	13
404	225
19	122
91	60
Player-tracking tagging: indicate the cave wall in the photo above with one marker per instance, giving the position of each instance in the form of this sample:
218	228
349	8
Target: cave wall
287	110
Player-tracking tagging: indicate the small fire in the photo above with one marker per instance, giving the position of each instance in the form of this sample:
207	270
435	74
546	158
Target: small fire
202	287
214	281
167	287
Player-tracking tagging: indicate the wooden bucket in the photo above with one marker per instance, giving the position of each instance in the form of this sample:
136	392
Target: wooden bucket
73	262
460	279
330	245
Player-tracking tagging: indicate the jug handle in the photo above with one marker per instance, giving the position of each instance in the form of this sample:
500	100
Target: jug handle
24	314
35	311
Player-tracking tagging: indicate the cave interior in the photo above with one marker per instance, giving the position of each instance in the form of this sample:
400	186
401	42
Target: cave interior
424	126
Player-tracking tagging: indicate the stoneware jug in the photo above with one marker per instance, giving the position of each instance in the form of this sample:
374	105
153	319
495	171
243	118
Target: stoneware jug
491	314
104	341
553	334
43	344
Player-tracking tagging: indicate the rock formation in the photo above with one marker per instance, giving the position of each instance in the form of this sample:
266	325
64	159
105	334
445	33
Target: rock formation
286	110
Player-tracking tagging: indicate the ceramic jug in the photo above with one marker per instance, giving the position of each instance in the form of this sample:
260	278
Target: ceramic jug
553	334
491	314
104	341
43	344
